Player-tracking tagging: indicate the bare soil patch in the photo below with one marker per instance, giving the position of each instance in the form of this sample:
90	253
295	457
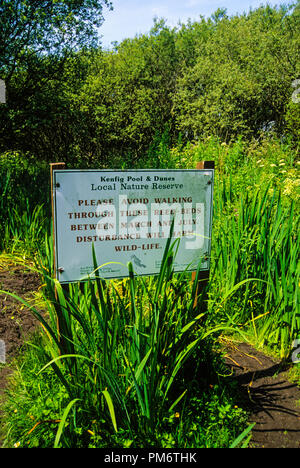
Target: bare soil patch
17	323
274	401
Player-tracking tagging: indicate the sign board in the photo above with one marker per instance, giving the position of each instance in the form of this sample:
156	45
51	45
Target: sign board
127	215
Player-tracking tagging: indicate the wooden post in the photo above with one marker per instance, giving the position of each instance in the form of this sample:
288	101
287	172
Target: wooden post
203	277
54	166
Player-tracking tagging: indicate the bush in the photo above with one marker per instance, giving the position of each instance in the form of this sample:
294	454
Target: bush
24	185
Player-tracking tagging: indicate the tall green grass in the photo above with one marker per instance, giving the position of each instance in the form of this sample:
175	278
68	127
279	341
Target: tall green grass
23	224
25	229
128	355
131	355
121	349
4	185
258	237
24	202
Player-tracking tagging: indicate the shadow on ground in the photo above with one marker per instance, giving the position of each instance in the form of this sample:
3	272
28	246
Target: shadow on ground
272	400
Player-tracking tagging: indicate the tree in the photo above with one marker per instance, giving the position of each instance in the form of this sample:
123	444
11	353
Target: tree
240	82
46	26
127	98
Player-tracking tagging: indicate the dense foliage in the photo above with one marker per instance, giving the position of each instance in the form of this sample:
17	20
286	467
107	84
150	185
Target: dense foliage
37	27
133	363
222	76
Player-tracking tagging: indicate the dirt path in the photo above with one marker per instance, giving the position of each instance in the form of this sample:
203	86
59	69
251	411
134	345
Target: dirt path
16	322
273	400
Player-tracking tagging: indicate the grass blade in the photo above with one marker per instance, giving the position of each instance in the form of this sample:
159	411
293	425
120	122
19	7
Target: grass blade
63	422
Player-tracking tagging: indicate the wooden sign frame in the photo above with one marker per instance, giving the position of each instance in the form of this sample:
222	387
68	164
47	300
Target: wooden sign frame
203	277
53	166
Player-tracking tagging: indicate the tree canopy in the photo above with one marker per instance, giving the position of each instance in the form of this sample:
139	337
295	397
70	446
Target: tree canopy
46	26
222	76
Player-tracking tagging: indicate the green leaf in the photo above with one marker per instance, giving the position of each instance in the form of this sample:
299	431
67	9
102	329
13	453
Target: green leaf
111	409
242	436
63	422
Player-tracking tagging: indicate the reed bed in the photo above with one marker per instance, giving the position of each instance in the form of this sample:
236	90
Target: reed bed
124	351
128	356
258	237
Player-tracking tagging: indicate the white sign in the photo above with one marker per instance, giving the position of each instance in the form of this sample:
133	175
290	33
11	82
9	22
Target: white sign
127	215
